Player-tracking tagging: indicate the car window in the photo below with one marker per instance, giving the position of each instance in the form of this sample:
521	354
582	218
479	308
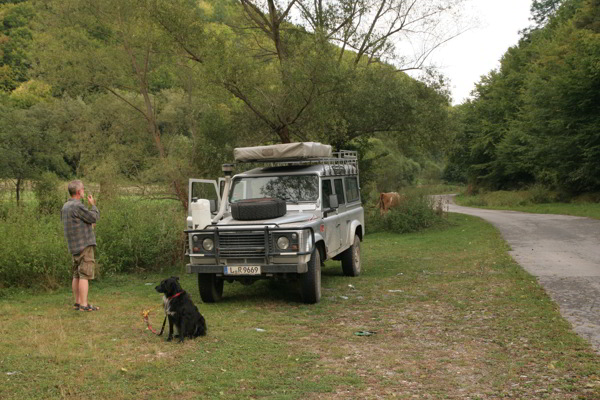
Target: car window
293	188
352	189
339	190
327	191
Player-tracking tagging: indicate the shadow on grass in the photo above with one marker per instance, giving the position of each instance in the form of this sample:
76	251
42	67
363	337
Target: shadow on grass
271	290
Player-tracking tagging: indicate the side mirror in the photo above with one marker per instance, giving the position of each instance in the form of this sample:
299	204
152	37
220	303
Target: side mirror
333	201
213	206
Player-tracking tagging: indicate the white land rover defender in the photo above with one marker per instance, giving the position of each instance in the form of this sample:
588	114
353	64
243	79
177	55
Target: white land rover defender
282	220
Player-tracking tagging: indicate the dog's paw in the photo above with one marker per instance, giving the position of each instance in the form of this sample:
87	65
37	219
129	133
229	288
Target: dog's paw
169	338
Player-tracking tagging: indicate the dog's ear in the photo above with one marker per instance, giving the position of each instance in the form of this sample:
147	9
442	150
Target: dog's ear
173	286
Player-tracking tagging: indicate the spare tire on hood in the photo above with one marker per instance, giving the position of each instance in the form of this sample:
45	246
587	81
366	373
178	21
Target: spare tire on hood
257	209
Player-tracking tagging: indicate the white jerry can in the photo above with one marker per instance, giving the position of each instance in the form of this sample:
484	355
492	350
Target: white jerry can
201	216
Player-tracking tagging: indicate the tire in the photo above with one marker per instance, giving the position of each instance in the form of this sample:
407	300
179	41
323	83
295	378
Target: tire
351	258
257	209
211	288
310	282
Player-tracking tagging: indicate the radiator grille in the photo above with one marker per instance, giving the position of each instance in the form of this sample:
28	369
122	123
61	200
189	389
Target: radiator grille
237	245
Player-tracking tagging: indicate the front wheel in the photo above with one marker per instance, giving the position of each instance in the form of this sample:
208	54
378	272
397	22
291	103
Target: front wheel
211	287
310	282
351	258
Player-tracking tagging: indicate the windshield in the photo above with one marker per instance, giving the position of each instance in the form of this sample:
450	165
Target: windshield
294	188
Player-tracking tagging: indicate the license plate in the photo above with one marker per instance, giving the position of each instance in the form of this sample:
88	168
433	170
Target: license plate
243	270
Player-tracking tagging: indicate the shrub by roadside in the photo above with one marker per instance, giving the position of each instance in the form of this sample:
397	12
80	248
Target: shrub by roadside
537	194
414	213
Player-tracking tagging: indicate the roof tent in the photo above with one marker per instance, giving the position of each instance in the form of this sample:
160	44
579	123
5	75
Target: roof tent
283	152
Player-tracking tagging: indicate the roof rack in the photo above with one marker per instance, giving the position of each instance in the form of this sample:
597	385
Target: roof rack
343	162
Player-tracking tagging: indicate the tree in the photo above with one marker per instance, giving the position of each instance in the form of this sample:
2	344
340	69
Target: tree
286	70
110	46
30	143
15	42
403	33
536	120
543	10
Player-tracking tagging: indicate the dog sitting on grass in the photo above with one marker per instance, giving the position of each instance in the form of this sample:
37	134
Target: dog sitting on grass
180	310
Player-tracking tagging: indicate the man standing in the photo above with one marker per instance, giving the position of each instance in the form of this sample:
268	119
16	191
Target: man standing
77	222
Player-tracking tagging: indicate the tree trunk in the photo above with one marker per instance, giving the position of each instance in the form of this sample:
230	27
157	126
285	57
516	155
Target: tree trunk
284	134
19	181
150	116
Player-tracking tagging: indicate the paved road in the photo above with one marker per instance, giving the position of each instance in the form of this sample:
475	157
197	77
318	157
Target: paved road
563	252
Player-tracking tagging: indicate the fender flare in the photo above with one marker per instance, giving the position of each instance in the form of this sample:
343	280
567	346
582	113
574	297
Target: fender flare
354	227
320	241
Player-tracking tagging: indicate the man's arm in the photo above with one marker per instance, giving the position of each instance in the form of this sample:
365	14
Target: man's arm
88	216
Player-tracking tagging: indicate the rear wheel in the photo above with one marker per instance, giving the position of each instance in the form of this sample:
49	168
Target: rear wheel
211	287
310	282
351	258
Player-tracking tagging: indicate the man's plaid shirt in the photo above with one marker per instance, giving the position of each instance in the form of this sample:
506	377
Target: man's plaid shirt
77	222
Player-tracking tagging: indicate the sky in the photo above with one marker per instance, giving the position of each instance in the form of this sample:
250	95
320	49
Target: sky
478	51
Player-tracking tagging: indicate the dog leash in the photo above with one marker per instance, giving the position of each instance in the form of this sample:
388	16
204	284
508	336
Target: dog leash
145	315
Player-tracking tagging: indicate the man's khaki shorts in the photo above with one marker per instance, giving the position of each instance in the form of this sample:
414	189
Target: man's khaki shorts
84	264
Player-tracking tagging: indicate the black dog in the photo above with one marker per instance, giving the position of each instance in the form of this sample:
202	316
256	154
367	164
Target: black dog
180	310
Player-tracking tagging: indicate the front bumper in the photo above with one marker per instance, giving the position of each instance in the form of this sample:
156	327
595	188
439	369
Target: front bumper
243	245
266	269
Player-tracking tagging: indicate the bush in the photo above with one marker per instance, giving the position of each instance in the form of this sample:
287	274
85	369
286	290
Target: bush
539	194
132	235
34	252
135	234
50	197
414	213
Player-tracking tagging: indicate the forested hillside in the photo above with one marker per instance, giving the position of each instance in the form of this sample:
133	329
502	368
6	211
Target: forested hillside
150	92
536	120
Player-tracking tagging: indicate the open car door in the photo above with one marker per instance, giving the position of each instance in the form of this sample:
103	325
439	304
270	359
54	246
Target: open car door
204	189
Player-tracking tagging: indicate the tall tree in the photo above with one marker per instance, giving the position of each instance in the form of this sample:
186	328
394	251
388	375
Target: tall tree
403	33
111	46
280	59
536	119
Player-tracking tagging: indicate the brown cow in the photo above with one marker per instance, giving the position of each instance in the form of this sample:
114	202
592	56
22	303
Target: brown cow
388	200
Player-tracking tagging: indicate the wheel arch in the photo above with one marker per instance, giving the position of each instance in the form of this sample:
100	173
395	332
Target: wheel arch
320	245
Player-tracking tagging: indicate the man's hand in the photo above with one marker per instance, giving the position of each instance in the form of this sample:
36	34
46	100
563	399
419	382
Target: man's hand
91	200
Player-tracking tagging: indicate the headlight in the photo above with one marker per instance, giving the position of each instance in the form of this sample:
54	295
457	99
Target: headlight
208	244
195	238
283	242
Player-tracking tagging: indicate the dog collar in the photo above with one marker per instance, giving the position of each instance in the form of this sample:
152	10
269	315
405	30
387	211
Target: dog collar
176	294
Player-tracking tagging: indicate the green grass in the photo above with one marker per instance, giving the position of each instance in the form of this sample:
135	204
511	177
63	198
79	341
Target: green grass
455	318
520	201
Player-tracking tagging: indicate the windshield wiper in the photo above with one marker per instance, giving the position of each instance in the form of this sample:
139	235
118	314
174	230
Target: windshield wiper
289	200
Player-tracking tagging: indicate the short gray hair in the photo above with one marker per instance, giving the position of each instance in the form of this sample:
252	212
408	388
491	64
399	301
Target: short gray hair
74	186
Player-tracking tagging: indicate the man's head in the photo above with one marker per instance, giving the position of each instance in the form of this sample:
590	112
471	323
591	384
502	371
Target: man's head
76	189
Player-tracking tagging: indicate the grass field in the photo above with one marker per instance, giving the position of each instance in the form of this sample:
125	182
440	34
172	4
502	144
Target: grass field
454	316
